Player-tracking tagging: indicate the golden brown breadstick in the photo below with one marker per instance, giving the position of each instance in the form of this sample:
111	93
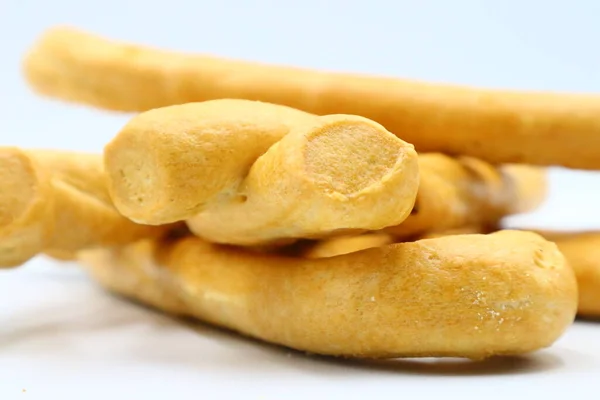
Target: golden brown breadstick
497	126
467	296
582	251
248	173
464	192
57	202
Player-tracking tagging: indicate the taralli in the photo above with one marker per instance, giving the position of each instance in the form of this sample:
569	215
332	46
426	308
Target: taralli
249	173
58	202
466	296
465	192
496	126
582	251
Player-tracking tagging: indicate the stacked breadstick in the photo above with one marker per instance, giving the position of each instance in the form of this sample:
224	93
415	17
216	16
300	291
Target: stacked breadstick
335	214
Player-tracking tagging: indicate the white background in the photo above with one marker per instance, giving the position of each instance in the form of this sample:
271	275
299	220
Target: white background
61	336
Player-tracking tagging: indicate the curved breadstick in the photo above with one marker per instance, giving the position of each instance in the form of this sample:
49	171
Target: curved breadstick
462	192
248	173
467	296
57	202
497	126
582	251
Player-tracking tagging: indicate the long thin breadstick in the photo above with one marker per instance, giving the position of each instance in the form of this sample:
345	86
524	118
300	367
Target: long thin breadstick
465	192
249	173
493	125
467	296
57	202
582	251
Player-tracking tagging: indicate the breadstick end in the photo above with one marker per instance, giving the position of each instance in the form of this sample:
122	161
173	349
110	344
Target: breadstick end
351	155
365	170
22	207
133	176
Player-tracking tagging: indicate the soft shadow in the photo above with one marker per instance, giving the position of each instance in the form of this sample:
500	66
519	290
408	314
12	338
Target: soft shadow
530	364
266	357
28	327
588	320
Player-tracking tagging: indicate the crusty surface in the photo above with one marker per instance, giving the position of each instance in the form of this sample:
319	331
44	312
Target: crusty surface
548	128
57	202
250	173
467	295
459	192
581	250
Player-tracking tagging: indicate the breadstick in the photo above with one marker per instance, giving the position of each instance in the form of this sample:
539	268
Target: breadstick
497	126
464	191
582	251
461	296
249	173
57	202
339	245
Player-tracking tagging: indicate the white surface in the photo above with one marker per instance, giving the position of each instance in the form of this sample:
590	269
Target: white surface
61	336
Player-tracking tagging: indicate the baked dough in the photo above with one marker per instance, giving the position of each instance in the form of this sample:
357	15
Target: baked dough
498	126
57	202
469	296
250	173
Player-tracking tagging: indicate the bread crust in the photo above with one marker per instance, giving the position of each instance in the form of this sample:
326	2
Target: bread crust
57	202
463	296
549	128
250	173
